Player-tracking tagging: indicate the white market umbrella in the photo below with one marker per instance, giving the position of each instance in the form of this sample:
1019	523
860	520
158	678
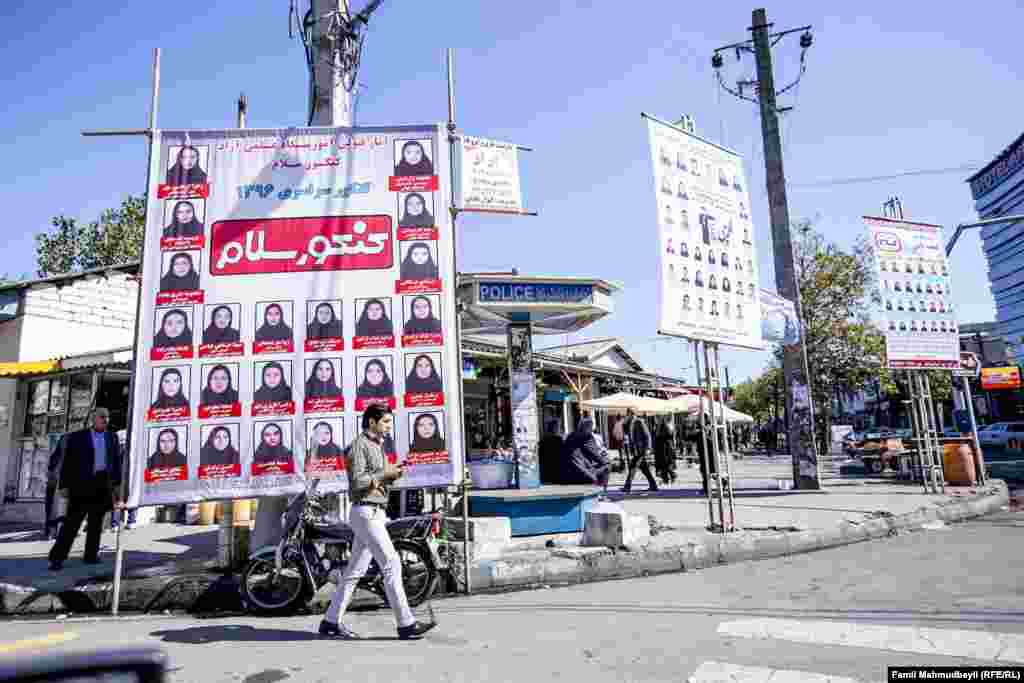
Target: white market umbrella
623	401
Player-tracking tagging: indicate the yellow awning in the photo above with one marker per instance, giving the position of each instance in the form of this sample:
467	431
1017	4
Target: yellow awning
32	368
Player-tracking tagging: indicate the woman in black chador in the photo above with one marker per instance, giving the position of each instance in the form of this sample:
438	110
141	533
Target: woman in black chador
219	390
418	263
220	331
186	170
374	321
184	222
415	214
167	453
218	449
169	394
181	275
174	330
423	379
323	442
321	382
426	435
421	318
271	448
414	161
325	325
376	383
274	385
273	327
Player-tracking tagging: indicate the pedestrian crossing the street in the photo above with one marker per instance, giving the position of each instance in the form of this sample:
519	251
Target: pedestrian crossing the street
1006	649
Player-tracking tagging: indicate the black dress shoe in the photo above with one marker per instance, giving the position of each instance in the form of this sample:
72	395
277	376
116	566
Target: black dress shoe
56	566
338	631
92	560
415	630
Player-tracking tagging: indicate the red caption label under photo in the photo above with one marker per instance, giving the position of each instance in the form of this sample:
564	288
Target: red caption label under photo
434	398
164	414
429	458
323	405
417	286
275	346
179	473
418	234
182	243
364	403
221	350
300	245
170	353
323	345
425	183
373	342
179	298
265	409
214	412
193	191
220	471
264	469
325	465
424	339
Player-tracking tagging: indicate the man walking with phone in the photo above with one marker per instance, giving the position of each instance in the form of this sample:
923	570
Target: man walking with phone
369	476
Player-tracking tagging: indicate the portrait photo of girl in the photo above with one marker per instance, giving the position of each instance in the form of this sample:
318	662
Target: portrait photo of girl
167	448
373	317
180	272
222	324
419	262
324	322
170	390
218	447
375	381
322	441
426	434
421	315
219	385
414	158
186	165
185	218
323	378
173	328
273	382
273	452
274	319
415	211
422	376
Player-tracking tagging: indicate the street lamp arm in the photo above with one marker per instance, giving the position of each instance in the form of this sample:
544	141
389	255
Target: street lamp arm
978	224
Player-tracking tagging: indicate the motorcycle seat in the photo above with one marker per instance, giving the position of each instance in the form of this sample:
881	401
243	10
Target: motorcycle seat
338	531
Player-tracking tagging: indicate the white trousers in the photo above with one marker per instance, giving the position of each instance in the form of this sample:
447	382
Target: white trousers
371	541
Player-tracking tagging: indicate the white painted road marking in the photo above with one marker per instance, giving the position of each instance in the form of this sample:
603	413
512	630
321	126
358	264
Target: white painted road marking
982	645
721	672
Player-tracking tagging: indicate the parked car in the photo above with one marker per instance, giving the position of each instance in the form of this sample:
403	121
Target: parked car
993	434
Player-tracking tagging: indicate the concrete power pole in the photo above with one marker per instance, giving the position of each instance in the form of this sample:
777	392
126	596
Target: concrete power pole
333	45
799	408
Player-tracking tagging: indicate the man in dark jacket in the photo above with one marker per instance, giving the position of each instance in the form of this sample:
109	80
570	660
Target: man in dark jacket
640	445
91	475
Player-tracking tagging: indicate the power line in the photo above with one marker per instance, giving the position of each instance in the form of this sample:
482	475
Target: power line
878	178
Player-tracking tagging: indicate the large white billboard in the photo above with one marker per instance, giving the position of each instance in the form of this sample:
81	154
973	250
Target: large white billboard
292	278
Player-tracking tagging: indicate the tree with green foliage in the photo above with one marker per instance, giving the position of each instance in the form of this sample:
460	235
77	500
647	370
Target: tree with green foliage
113	239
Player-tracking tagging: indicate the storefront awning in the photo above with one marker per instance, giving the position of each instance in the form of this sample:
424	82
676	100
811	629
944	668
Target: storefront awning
39	367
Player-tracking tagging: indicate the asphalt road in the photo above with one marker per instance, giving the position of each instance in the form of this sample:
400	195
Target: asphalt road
937	597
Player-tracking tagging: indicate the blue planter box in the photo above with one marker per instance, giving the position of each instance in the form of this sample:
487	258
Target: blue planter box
540	511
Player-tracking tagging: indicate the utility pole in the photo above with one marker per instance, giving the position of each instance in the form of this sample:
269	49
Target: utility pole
333	41
799	408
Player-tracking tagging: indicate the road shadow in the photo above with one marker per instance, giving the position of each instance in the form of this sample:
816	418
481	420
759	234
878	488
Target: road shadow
227	633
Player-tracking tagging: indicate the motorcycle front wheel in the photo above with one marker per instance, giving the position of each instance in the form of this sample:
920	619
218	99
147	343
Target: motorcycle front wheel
265	593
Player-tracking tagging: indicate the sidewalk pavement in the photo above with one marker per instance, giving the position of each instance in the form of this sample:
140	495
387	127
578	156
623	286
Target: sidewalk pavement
172	567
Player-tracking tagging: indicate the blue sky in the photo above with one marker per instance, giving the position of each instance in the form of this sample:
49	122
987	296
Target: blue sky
888	89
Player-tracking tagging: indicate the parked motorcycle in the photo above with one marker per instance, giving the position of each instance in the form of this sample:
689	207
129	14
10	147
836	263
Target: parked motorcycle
314	551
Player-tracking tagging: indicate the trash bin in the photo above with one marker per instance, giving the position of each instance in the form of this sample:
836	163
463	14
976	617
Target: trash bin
958	462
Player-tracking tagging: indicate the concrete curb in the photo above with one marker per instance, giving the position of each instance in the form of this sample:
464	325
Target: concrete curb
195	591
